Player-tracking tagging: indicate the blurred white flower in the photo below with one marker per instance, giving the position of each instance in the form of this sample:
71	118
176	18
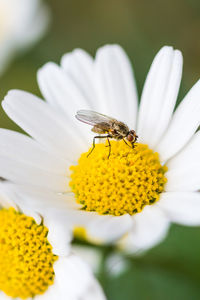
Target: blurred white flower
22	23
116	264
35	257
131	198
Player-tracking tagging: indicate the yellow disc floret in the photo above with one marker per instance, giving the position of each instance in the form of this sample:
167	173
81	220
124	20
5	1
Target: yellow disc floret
124	183
26	258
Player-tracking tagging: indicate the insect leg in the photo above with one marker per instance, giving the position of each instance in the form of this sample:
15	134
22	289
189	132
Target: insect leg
134	144
92	147
97	137
109	146
127	143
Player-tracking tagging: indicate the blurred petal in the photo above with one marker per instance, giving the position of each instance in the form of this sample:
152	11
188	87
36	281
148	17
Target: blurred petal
117	264
23	23
36	18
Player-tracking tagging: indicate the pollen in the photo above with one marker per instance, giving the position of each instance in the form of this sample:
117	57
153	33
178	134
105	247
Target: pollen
122	184
26	258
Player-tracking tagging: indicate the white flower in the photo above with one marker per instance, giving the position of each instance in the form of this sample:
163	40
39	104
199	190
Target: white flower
35	257
124	184
22	23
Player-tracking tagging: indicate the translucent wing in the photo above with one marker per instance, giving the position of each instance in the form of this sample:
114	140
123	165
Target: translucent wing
92	117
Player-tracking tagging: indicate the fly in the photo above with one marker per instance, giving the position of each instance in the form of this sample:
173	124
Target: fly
106	127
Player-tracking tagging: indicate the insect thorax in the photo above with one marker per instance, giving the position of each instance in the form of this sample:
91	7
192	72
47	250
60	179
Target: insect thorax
120	128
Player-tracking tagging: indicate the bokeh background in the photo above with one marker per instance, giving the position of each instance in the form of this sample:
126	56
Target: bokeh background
142	27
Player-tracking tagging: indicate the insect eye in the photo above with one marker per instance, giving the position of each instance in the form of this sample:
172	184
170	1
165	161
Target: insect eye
130	137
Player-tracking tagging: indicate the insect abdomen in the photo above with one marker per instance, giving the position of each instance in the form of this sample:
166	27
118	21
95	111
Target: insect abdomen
101	128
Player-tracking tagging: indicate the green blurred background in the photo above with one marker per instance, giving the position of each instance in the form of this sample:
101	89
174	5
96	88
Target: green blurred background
172	269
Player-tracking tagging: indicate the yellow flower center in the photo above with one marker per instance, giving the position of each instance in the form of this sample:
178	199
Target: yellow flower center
80	233
124	183
26	258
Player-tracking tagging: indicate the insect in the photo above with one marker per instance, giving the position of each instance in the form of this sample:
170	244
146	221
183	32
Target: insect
106	127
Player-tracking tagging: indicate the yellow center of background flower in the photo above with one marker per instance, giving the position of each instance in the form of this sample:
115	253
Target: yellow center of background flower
26	258
124	183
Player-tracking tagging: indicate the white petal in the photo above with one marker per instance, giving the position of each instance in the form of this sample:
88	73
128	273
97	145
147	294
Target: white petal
31	213
45	124
184	168
160	66
44	200
59	89
6	195
9	197
94	291
107	229
59	235
53	293
91	255
182	208
115	84
188	156
20	147
79	65
75	280
100	228
186	178
4	297
183	125
159	95
149	228
23	173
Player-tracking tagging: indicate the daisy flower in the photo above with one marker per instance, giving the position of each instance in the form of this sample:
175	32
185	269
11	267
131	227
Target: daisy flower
131	198
22	23
35	258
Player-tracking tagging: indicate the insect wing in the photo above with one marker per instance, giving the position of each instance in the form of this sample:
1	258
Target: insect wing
92	118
